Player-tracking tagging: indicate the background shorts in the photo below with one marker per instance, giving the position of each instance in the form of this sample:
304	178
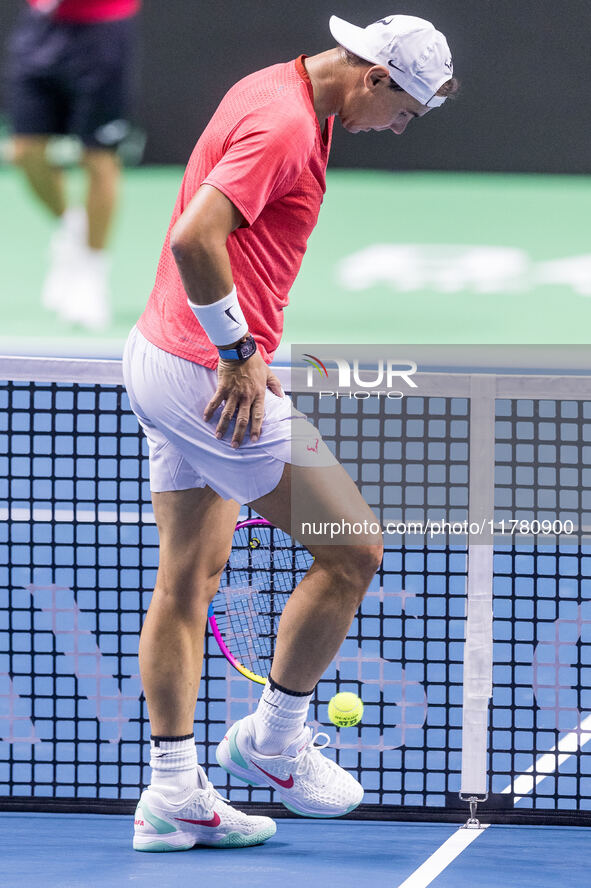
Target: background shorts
71	79
168	395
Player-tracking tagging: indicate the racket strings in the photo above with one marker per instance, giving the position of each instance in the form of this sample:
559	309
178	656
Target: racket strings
262	571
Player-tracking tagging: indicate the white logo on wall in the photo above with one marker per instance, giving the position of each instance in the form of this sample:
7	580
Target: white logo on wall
457	267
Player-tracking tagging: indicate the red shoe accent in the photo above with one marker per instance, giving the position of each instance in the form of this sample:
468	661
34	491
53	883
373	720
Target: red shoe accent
215	820
286	784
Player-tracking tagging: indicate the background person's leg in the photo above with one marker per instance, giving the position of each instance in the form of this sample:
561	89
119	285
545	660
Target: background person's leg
68	241
45	180
89	299
103	170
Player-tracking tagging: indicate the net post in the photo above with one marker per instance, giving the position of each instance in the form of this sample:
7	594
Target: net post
473	800
478	648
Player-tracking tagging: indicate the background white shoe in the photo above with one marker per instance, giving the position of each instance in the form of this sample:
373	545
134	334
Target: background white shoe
66	244
205	818
87	298
307	782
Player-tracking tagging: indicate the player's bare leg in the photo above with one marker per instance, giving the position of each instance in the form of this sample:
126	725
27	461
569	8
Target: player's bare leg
46	181
195	529
319	613
180	807
273	747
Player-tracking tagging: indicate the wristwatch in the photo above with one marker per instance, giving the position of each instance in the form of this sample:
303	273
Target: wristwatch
242	351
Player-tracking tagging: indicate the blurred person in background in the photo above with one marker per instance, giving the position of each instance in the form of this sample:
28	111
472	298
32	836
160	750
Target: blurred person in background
70	72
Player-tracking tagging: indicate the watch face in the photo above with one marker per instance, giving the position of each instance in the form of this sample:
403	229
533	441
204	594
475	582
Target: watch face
247	348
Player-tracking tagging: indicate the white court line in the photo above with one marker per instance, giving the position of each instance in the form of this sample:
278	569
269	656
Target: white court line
550	762
546	765
444	855
82	516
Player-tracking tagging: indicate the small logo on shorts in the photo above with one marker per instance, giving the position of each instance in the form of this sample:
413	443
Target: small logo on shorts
315	448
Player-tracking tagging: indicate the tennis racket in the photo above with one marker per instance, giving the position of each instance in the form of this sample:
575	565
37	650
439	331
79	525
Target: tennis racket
264	566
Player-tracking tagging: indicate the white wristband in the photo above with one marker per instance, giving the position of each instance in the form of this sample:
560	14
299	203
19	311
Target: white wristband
223	321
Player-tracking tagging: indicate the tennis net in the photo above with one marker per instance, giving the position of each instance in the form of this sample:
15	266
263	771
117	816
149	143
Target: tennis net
78	557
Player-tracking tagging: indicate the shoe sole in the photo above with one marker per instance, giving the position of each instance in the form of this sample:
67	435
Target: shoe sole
183	842
229	757
149	843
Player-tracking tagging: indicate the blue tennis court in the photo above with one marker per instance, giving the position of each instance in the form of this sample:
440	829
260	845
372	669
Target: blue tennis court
75	851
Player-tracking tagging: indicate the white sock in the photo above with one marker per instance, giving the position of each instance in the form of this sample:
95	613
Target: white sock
279	718
74	222
174	766
96	261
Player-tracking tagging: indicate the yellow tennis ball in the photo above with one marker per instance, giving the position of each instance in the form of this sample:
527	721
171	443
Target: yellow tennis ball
345	709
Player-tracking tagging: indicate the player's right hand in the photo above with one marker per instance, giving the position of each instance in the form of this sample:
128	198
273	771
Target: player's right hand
242	386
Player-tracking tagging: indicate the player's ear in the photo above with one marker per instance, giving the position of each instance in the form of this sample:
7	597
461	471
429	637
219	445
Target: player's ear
375	76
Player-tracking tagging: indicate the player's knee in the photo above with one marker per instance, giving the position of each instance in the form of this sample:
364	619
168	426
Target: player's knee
184	598
26	151
353	567
187	584
101	164
364	562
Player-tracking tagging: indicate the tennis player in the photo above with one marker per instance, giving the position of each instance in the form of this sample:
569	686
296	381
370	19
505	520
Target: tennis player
69	72
221	433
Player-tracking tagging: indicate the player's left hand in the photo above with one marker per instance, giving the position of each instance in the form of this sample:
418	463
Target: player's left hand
242	385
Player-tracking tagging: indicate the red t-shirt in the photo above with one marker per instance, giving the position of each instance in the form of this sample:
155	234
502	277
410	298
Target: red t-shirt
86	11
264	150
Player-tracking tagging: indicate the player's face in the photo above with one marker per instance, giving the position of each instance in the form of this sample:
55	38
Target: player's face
376	106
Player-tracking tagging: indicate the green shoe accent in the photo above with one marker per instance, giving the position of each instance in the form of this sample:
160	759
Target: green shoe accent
237	776
235	754
159	825
237	840
319	816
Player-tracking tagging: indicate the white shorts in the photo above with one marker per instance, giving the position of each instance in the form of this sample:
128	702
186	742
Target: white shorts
169	394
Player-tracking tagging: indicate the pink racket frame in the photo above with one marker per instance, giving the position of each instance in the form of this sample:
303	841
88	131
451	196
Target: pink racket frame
250	522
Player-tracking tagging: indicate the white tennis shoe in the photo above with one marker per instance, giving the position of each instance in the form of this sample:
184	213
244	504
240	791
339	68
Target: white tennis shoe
87	302
77	282
205	818
67	243
307	782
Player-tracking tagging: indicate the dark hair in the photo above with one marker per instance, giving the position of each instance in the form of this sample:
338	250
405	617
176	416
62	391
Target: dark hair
449	89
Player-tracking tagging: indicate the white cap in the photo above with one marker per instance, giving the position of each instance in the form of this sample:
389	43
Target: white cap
415	53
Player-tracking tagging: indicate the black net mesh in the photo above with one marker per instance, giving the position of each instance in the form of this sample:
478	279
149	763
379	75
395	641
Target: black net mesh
78	556
542	591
